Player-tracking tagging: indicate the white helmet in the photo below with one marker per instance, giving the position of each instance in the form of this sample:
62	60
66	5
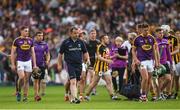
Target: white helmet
165	28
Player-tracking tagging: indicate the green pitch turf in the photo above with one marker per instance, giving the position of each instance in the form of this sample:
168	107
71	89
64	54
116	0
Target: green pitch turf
54	99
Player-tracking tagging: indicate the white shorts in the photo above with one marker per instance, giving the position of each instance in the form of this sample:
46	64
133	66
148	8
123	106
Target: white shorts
147	64
173	65
24	66
177	72
108	72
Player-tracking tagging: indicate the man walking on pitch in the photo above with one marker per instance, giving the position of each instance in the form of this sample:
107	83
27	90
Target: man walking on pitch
74	52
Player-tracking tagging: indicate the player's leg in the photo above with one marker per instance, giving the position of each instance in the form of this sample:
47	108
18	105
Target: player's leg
73	87
92	73
26	85
94	82
175	96
16	85
27	71
108	80
114	73
82	83
151	87
36	90
21	75
67	91
121	77
151	84
43	82
144	82
167	82
74	72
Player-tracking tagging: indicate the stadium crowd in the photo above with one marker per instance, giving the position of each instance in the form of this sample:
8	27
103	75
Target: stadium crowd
55	16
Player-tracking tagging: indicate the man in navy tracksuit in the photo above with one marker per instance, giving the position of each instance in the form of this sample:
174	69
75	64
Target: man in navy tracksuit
74	52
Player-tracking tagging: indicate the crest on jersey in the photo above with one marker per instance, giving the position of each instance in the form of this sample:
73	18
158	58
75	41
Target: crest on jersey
25	46
146	47
79	45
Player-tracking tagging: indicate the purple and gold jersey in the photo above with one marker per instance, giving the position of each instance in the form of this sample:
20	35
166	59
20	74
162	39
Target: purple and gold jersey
41	50
23	47
144	47
164	51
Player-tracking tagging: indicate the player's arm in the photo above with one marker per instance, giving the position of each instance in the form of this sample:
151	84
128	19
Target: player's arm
12	58
59	62
85	53
47	55
103	59
60	57
33	57
156	55
48	58
86	58
169	58
135	59
4	54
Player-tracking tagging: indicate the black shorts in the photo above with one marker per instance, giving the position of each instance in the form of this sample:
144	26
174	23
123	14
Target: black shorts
74	71
43	69
92	60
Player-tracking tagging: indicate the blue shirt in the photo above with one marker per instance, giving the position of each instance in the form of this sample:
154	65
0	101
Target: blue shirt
73	51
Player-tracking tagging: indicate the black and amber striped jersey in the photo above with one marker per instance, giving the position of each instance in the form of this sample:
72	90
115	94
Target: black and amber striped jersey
101	66
178	54
173	43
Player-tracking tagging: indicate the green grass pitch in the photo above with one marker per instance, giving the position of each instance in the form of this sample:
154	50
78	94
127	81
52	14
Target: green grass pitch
54	99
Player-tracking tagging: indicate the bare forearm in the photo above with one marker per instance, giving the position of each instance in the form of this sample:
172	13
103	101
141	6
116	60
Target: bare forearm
48	57
12	56
134	54
34	60
12	59
155	54
33	57
59	63
85	57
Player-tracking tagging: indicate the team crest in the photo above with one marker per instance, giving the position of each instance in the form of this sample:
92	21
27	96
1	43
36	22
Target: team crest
25	46
79	45
146	47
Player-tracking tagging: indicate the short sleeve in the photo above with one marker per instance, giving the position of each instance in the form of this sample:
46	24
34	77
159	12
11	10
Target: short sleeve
98	49
62	48
135	42
101	50
15	44
84	49
47	48
175	42
32	43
